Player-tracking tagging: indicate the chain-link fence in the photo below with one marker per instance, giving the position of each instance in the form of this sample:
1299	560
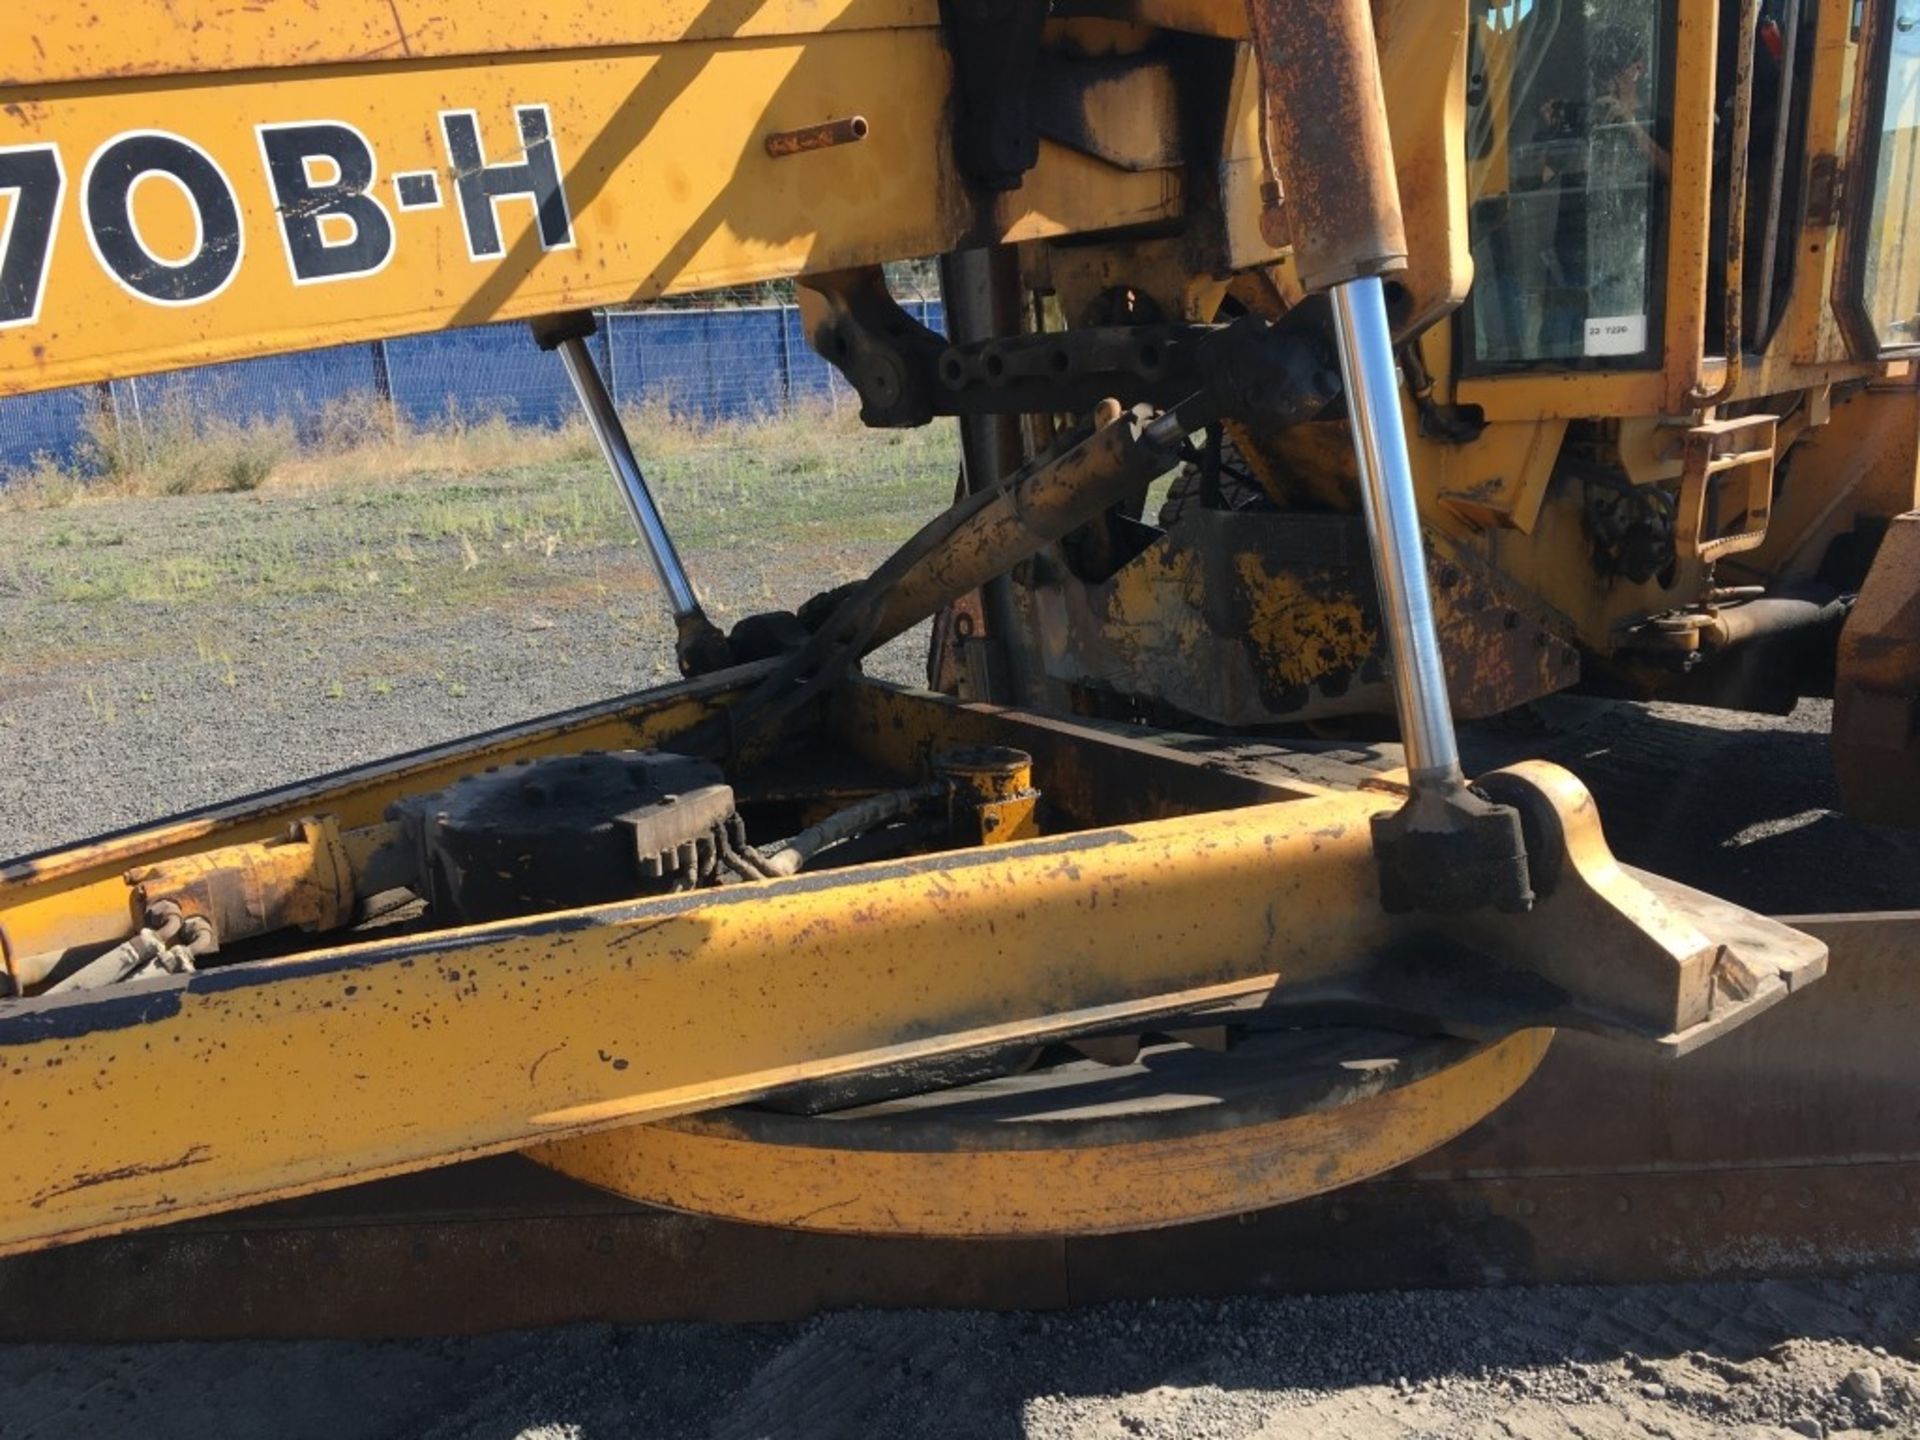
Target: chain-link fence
705	363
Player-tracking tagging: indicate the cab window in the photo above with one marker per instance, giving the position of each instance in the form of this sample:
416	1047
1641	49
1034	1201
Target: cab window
1889	245
1568	136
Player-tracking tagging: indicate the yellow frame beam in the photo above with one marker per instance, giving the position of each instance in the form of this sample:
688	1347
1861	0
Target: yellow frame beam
124	39
614	172
197	1093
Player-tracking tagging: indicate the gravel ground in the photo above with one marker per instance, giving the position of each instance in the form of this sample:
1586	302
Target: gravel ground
1766	1361
115	713
1743	806
149	699
278	722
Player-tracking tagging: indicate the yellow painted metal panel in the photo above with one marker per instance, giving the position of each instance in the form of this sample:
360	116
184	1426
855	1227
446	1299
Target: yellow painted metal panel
1423	66
1691	184
197	1093
666	187
1563	395
47	42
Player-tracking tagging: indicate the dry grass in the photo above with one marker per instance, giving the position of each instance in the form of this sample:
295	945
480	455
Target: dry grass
359	446
172	449
178	449
416	522
43	485
360	443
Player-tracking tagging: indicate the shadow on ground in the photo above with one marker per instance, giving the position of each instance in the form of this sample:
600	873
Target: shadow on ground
1743	806
1661	1359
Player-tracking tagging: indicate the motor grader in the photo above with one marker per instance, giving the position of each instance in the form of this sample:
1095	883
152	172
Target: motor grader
1326	375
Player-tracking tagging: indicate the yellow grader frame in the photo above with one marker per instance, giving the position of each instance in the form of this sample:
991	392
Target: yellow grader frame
1098	940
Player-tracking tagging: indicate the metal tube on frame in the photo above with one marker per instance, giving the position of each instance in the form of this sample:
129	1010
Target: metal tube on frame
1393	529
611	435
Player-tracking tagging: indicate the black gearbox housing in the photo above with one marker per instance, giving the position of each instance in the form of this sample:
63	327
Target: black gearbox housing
567	831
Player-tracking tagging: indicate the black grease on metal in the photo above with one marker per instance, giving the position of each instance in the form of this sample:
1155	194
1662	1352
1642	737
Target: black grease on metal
87	1179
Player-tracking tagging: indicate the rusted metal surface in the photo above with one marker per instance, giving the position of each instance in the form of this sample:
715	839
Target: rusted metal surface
975	653
1876	691
1234	618
1502	646
982	536
1824	190
992	791
1642	941
1033	510
887	355
1276	376
1795	1152
961	651
298	881
1726	485
1327	114
1114	925
1096	774
847	131
1733	296
1244	618
397	1054
168	943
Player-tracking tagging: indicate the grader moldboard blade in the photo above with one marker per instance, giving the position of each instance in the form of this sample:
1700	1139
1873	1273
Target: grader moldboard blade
1784	1161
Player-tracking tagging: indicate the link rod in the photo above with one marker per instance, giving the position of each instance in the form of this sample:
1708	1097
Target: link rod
604	420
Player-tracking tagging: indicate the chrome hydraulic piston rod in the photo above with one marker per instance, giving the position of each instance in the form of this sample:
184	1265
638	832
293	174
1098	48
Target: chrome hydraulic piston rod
700	646
1449	848
1393	531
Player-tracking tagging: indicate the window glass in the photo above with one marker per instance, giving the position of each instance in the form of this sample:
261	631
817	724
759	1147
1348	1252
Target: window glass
1890	277
1567	144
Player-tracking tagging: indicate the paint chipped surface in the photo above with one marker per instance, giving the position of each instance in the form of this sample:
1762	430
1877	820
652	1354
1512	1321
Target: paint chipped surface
1303	635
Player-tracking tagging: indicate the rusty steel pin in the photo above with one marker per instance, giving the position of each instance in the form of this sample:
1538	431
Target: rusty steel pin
824	136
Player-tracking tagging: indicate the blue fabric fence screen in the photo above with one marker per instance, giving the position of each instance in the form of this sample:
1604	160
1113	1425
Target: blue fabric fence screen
718	364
